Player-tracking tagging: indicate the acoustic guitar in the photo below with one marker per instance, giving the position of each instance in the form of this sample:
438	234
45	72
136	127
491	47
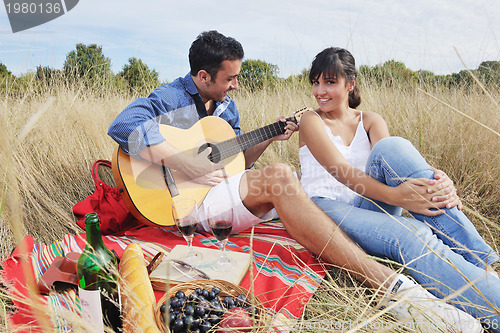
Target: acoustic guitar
148	189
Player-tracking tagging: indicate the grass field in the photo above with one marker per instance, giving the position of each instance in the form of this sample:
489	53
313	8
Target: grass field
48	142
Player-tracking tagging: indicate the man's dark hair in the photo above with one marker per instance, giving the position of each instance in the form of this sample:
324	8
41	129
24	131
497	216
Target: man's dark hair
210	49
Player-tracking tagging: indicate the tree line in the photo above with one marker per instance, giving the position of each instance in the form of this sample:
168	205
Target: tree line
86	66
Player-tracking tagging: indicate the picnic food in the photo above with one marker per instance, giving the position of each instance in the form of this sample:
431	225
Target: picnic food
203	310
207	300
235	320
137	293
98	280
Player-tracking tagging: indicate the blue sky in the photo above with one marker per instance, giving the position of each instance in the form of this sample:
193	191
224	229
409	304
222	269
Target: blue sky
422	34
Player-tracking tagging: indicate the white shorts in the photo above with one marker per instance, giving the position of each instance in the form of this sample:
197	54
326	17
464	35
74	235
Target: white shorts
228	191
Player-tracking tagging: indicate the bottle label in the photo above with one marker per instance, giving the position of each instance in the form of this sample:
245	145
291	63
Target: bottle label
90	302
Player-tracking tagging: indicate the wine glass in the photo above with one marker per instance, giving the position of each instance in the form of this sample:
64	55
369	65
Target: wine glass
220	219
185	213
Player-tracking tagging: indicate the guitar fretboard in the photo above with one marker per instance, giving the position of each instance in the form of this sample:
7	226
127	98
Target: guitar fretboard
240	143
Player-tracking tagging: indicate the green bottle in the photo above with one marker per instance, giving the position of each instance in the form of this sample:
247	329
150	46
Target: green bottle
98	286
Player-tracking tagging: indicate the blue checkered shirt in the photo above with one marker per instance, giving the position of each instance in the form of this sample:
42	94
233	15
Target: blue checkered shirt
175	104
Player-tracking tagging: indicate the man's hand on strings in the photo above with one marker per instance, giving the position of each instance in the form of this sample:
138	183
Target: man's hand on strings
201	170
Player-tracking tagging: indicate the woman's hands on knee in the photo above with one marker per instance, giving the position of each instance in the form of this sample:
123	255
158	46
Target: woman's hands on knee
444	191
413	196
428	196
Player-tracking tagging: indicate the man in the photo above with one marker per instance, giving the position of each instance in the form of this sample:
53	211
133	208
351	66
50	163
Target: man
215	62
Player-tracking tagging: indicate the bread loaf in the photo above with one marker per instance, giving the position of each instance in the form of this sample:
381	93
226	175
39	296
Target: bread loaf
137	296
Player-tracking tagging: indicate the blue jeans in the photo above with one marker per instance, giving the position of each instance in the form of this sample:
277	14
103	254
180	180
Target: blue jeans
443	253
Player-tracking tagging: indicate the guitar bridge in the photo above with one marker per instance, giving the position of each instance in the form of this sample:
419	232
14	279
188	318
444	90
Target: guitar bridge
169	181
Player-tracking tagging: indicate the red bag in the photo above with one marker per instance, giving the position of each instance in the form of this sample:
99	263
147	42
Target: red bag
108	203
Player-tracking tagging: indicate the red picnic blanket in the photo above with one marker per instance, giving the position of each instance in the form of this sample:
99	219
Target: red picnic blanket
285	274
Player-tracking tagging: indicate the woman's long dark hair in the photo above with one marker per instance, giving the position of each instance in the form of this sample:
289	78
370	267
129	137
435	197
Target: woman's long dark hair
334	62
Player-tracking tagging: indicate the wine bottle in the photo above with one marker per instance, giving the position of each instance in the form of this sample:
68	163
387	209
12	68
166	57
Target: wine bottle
98	286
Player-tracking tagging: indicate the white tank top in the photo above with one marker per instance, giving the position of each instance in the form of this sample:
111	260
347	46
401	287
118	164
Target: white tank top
316	181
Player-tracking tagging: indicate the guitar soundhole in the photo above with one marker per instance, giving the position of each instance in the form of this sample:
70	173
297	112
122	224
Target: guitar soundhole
215	155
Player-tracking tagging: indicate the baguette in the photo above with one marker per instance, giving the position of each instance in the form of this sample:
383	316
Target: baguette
137	296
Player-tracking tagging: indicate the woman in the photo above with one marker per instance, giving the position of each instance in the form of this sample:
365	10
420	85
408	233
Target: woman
362	178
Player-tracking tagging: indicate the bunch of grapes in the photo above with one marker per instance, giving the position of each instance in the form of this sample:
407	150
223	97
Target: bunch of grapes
201	311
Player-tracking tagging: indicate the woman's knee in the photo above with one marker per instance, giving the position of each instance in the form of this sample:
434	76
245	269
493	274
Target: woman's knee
392	143
394	157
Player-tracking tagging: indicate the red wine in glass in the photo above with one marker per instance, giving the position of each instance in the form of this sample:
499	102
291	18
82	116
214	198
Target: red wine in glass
221	229
185	214
188	228
220	219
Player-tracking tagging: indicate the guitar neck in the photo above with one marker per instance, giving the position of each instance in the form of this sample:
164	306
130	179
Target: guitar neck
242	142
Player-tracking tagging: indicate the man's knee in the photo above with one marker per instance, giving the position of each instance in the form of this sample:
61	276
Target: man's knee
281	171
279	179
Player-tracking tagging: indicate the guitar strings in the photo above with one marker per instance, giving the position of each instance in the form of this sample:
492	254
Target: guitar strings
234	145
243	142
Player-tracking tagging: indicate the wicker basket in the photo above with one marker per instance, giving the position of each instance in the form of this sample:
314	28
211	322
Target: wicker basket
226	289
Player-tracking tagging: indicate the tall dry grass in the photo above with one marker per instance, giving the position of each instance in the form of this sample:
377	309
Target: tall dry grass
45	173
464	149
